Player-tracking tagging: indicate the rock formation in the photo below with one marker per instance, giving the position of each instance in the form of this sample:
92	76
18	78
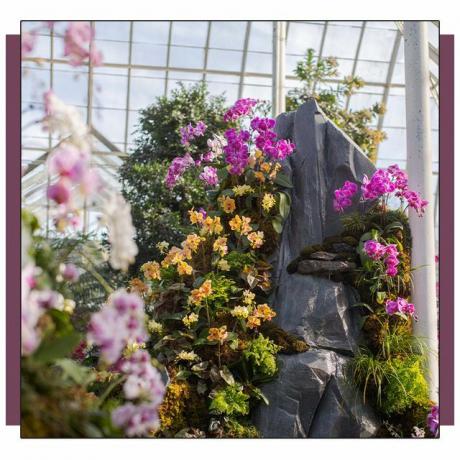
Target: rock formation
311	396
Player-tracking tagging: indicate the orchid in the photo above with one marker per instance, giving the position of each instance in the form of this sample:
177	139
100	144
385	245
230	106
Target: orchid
433	420
399	306
117	217
118	323
79	46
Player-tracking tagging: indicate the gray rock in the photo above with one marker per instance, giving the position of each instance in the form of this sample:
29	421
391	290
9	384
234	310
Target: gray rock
316	401
324	159
310	397
318	310
311	267
343	247
322	255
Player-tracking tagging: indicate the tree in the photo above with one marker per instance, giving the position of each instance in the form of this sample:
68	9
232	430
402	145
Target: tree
160	214
314	74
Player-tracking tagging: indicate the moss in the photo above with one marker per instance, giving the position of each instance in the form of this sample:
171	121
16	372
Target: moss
182	408
236	429
406	385
308	250
289	343
261	353
230	400
172	408
292	267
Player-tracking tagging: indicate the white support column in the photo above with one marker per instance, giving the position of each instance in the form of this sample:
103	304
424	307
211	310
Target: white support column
419	170
278	71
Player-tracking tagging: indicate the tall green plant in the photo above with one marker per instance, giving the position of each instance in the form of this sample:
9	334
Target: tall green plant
159	213
315	74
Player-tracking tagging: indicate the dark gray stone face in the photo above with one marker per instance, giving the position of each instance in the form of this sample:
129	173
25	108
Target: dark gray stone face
312	267
315	401
318	310
310	397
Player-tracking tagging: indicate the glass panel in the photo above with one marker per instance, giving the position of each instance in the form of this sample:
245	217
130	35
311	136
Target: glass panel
375	72
187	57
155	32
396	111
225	60
259	63
302	36
147	54
226	34
109	91
258	92
364	101
341	41
261	37
229	90
144	91
377	44
112	30
110	123
34	82
71	86
393	149
192	33
113	52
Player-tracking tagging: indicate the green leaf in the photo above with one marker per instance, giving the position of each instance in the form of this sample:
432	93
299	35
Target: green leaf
380	297
183	374
284	204
257	392
222	174
277	223
57	347
393	226
226	375
81	375
283	180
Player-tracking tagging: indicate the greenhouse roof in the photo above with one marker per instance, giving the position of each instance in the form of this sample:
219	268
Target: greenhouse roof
143	60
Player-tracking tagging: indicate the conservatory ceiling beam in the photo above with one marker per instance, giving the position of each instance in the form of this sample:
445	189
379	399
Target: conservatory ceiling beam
244	59
321	46
419	169
278	69
214	72
128	84
168	57
206	49
355	61
386	92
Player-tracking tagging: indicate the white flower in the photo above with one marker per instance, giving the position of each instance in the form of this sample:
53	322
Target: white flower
216	145
65	120
121	231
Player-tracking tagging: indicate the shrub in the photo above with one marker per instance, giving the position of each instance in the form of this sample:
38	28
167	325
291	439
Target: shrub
230	400
406	385
261	353
314	73
160	214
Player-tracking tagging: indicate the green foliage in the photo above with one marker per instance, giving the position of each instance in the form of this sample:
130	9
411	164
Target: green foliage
230	400
237	260
261	353
236	429
160	214
391	368
159	123
406	385
222	290
315	74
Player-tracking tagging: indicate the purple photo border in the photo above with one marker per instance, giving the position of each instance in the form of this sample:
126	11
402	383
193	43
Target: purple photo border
13	228
446	229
